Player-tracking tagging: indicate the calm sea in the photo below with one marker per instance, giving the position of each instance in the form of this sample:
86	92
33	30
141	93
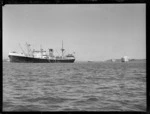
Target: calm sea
81	86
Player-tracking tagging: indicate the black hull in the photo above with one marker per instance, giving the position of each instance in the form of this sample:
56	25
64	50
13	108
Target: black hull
21	59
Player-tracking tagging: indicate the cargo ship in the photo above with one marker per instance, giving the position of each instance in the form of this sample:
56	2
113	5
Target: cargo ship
40	56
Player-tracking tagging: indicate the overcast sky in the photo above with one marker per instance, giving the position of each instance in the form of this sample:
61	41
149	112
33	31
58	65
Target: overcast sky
93	31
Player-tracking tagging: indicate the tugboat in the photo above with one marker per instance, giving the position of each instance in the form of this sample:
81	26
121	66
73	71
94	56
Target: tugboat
40	56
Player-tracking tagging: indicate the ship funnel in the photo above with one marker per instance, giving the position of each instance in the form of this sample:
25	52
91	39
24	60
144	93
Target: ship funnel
51	52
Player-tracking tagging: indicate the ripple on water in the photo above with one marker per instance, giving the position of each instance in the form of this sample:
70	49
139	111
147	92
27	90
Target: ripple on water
86	101
48	100
74	87
27	108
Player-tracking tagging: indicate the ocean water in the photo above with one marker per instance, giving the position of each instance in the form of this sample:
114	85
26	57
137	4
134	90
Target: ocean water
80	86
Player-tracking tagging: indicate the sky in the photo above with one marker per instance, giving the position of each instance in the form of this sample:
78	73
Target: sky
94	32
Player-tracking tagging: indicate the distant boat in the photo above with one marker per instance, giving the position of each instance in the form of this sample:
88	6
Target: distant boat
40	56
125	59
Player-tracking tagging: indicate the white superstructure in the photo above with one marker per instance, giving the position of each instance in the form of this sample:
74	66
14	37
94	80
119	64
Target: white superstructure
125	59
17	54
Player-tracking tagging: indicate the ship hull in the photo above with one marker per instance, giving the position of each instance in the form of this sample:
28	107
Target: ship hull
22	59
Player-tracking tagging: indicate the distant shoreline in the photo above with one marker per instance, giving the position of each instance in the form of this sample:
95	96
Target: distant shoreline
116	61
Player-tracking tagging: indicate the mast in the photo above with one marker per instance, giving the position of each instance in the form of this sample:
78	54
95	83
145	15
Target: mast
30	52
28	48
62	49
41	51
22	49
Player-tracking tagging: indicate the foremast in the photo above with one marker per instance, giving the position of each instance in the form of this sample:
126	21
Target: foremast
62	49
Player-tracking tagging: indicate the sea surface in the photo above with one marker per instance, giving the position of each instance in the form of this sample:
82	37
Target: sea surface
82	86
